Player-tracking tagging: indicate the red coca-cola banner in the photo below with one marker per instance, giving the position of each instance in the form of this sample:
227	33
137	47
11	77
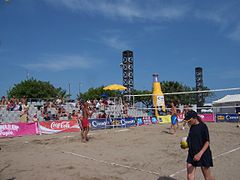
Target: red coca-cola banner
52	127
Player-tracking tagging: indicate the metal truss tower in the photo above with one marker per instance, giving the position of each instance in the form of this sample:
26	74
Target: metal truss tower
127	71
199	86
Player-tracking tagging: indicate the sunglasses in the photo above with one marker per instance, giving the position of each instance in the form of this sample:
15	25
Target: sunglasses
188	120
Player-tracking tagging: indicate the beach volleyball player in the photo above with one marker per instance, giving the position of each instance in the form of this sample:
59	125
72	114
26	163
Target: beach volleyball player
174	119
85	122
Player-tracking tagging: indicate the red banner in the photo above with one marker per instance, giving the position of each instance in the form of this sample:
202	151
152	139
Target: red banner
52	127
18	129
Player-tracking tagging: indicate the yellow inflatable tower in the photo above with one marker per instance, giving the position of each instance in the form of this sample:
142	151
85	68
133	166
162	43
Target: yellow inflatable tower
158	97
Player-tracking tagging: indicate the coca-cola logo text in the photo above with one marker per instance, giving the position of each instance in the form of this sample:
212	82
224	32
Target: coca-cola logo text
60	125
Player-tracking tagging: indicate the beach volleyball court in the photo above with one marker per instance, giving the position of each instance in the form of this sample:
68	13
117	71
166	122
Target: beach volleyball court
136	153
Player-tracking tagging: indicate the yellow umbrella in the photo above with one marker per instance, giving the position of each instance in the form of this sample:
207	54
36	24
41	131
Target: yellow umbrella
116	87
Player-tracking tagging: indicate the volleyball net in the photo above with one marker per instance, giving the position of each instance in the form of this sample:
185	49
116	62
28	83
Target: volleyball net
215	101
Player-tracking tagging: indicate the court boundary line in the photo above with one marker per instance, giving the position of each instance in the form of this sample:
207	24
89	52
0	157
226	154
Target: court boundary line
219	155
139	169
94	133
112	163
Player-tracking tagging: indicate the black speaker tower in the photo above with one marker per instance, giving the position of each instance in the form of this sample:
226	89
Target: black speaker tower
127	71
199	86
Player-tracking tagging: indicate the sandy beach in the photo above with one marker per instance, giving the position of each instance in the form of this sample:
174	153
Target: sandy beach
136	153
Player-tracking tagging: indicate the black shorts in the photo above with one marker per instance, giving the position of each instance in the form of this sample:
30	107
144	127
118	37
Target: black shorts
205	161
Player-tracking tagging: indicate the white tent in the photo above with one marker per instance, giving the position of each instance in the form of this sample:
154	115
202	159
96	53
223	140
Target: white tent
227	104
228	99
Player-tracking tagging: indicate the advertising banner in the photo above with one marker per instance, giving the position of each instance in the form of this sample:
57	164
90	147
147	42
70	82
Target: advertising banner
100	123
124	122
129	122
147	120
111	123
18	129
207	117
140	121
165	119
52	127
154	120
227	118
160	101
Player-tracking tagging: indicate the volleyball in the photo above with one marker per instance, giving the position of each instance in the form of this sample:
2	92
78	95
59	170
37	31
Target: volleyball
184	143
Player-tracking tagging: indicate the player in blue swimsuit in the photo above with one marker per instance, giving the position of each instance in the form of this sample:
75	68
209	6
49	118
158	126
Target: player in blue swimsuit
174	120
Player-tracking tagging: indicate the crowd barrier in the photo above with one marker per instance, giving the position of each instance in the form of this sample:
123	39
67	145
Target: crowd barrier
59	126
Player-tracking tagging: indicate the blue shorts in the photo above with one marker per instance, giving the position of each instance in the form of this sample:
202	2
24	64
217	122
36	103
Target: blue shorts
174	119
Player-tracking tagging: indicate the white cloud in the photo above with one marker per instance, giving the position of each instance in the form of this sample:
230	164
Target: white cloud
223	14
235	35
169	12
151	9
211	15
60	63
215	12
115	42
111	38
231	74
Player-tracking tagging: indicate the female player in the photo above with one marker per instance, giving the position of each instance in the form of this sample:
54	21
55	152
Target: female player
199	153
174	119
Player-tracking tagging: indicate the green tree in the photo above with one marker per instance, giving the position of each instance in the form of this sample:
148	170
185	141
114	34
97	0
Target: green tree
167	87
35	89
174	86
146	100
97	93
188	98
171	87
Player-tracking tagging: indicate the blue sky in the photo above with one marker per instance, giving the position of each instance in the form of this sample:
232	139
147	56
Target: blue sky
80	42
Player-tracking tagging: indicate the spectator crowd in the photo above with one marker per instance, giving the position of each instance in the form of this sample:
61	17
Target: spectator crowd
24	110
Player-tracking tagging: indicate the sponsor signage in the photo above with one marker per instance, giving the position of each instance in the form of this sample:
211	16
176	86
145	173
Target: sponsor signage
227	117
154	120
147	120
207	117
18	129
160	101
100	123
130	122
139	121
111	123
52	127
